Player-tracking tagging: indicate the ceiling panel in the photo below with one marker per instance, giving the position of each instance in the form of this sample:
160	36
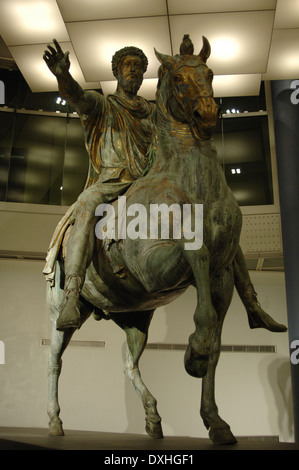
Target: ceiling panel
31	22
287	14
95	43
78	10
284	55
212	6
235	49
36	72
236	85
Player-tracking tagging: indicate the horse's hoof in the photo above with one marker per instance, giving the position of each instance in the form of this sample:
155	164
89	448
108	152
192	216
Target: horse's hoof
260	319
196	364
222	435
55	428
154	430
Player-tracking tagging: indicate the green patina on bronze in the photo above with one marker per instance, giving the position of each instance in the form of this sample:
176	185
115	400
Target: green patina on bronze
126	280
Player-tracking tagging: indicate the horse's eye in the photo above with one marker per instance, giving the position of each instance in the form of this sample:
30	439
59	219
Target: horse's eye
178	78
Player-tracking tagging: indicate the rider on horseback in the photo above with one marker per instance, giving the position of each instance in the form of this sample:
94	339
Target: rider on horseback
118	136
119	132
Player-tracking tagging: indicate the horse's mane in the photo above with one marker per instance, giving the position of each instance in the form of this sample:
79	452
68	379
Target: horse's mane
160	109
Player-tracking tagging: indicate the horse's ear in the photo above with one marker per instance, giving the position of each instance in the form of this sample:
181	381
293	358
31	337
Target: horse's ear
206	50
166	60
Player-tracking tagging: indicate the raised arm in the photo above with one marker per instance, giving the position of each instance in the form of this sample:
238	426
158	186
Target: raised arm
59	64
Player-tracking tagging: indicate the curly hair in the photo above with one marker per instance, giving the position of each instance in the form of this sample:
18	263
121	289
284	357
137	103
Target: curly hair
129	50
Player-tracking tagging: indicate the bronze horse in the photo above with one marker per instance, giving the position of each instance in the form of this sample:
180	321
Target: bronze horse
129	278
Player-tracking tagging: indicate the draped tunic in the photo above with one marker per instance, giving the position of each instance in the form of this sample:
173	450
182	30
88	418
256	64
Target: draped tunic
118	136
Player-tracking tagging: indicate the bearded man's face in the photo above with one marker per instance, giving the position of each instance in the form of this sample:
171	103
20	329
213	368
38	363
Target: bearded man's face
130	74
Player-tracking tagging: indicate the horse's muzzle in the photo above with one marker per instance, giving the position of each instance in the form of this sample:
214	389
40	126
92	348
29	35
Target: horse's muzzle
206	113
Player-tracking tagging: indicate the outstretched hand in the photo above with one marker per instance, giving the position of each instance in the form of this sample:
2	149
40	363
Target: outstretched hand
57	61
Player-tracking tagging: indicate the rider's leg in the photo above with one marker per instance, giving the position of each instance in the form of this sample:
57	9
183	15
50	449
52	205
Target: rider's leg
80	246
257	318
79	251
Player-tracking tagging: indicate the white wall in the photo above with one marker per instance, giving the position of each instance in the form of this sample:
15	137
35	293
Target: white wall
253	390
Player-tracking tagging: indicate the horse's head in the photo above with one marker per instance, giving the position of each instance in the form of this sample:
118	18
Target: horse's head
188	86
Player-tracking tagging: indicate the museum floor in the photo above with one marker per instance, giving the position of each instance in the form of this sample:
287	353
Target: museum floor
38	439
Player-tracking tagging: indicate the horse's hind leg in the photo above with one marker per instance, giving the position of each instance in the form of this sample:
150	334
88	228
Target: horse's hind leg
136	327
219	430
257	317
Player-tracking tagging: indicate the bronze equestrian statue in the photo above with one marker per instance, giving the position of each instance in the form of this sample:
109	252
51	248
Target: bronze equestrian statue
154	156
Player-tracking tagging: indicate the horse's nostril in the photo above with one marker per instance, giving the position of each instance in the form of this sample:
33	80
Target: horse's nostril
197	114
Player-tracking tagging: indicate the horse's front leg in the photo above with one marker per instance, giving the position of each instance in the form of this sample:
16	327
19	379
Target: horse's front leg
59	342
136	327
205	318
219	430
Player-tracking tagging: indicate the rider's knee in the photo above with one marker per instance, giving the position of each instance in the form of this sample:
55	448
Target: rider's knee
88	202
86	207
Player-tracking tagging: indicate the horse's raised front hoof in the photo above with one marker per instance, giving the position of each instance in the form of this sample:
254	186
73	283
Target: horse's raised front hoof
55	427
154	430
196	364
222	435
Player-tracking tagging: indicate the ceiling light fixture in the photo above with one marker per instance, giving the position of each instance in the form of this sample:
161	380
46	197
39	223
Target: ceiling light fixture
60	101
233	111
236	171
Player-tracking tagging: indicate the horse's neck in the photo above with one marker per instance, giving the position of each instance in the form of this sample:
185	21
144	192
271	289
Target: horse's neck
177	134
190	164
175	141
